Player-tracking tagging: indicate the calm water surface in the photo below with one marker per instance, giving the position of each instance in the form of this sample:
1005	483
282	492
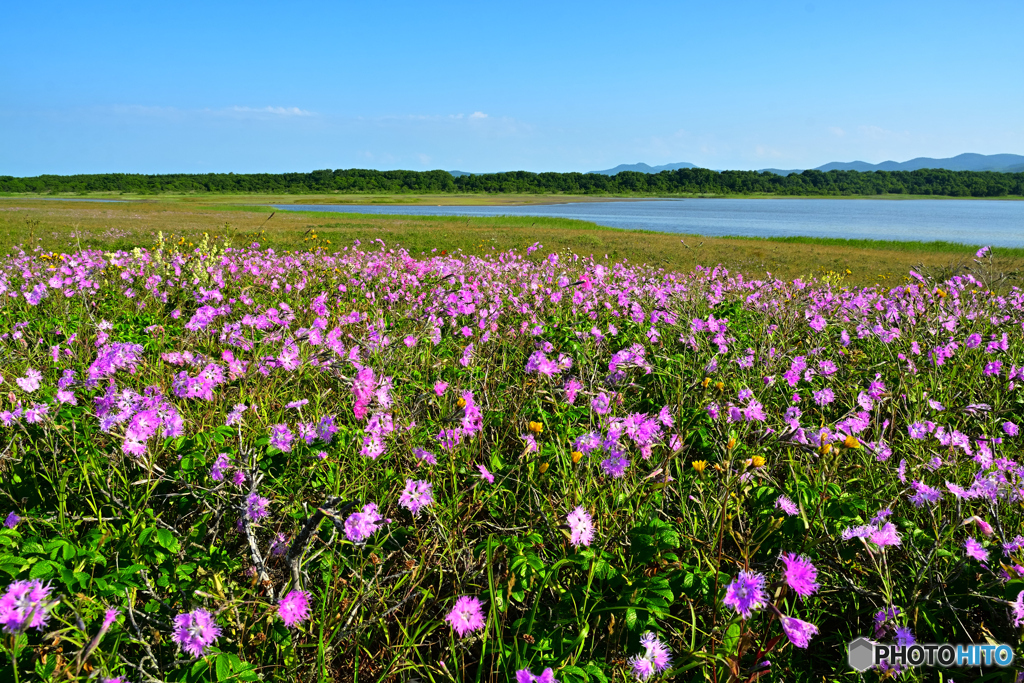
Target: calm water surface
996	223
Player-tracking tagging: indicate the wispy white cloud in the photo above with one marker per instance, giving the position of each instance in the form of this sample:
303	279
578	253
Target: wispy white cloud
276	111
478	115
763	151
268	112
837	131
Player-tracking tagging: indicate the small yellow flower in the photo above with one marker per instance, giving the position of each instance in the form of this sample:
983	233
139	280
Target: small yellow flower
732	443
543	468
851	441
720	386
699	465
706	382
825	449
757	461
461	402
576	455
942	294
536	427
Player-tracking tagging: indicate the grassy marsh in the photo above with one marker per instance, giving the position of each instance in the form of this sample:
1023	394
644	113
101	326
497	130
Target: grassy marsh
57	226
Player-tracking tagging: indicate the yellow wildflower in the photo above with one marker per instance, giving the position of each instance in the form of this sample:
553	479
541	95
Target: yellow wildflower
543	468
576	455
699	465
536	427
851	441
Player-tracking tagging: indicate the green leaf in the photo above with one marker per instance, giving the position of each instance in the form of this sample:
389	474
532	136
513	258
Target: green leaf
42	570
223	666
166	539
732	638
631	618
594	671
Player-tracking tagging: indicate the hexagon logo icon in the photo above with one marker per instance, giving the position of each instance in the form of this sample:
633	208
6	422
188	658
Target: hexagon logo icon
860	654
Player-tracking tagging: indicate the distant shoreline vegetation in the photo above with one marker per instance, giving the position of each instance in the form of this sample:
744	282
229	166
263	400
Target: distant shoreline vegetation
684	181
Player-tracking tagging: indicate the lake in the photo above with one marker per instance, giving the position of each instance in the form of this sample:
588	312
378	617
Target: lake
979	222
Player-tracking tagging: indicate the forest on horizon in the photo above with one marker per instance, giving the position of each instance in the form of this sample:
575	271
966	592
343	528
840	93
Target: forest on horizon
686	181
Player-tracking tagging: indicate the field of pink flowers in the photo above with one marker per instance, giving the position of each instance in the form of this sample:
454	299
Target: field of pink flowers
234	464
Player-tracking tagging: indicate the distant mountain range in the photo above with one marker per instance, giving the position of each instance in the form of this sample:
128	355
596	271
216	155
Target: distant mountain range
644	168
639	168
1003	163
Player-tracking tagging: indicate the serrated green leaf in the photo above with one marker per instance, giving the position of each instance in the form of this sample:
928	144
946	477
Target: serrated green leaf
42	570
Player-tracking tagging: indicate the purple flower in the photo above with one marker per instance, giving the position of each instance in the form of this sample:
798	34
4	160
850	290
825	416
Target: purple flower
279	546
800	574
281	437
799	632
485	475
581	527
326	429
1013	546
1018	610
466	616
235	416
571	388
195	631
601	404
904	637
745	593
12	520
546	676
220	466
294	608
786	505
30	382
424	456
974	550
884	616
24	605
983	526
655	659
361	525
109	617
416	496
256	507
885	535
615	465
1011	429
924	494
824	397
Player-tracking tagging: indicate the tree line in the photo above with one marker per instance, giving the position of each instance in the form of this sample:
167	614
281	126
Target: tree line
685	181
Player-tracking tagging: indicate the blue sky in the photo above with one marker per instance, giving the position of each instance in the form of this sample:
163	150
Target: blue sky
541	86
